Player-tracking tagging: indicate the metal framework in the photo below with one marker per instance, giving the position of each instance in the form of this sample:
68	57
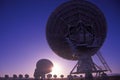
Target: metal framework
106	66
85	64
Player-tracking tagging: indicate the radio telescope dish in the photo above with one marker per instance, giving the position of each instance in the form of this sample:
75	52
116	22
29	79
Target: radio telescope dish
75	31
76	24
43	67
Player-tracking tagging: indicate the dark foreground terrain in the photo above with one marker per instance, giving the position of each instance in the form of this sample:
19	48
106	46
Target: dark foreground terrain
10	78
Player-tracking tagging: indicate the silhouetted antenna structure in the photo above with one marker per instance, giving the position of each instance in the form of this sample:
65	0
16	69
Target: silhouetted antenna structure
103	61
43	67
76	30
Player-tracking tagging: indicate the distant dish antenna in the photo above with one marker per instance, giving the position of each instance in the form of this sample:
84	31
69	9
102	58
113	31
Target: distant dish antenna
43	67
75	31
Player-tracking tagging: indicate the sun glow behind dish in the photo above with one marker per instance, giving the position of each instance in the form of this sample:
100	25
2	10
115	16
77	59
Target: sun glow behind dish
56	70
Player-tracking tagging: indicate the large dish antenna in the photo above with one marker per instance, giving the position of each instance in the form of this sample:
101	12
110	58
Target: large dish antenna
78	22
75	31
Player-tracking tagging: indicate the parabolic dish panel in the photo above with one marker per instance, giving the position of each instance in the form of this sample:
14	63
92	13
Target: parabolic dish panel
76	24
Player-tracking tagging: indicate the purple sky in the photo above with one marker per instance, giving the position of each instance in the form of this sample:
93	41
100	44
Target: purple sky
23	41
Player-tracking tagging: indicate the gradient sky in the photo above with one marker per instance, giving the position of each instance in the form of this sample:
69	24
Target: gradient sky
23	41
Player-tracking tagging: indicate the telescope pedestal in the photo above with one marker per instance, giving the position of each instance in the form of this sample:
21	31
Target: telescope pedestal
86	66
